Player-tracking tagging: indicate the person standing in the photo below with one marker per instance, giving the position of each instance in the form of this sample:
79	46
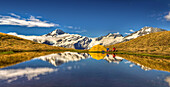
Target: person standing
114	55
114	49
107	49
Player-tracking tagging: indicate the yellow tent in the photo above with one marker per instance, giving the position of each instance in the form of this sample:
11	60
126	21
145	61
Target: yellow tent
98	48
97	56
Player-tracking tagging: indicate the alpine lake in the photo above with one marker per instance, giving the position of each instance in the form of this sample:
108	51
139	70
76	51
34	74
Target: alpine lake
72	69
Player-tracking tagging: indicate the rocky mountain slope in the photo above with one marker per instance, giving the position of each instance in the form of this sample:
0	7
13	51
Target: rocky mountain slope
62	39
107	40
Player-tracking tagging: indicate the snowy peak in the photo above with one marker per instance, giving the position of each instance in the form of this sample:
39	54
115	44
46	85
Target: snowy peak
110	35
108	39
147	30
55	33
114	35
141	32
62	39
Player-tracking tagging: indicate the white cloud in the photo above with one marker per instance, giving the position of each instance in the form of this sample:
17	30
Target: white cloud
76	28
81	31
127	33
30	22
32	18
131	30
167	17
30	73
71	27
167	79
39	16
15	15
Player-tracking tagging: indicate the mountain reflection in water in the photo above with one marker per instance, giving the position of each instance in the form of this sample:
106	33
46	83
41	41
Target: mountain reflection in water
82	69
60	58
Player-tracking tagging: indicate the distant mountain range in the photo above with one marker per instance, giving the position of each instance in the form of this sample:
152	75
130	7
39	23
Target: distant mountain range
62	39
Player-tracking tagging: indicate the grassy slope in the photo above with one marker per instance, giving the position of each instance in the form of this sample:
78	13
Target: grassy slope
13	43
154	43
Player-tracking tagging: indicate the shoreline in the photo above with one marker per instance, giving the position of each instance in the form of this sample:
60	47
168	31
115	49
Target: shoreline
87	51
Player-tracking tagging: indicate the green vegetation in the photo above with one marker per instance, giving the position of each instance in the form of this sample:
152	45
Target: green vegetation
7	52
155	43
153	63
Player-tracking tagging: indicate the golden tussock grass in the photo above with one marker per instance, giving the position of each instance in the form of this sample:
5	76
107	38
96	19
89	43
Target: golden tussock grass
13	43
154	43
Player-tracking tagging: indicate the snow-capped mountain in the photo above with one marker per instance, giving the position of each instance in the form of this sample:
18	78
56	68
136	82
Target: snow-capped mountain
107	40
55	33
62	39
141	32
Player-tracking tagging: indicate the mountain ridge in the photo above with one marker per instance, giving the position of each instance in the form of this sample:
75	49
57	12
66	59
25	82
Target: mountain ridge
54	33
143	31
76	41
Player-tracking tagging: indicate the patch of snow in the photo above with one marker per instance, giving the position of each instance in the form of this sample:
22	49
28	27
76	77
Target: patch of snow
12	33
148	30
135	35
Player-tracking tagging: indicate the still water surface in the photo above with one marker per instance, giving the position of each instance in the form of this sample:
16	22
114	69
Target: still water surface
71	69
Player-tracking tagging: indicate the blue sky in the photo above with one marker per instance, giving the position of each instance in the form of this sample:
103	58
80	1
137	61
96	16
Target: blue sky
91	18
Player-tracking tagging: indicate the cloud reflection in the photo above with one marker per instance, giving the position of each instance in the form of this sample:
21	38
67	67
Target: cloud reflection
30	73
167	79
